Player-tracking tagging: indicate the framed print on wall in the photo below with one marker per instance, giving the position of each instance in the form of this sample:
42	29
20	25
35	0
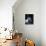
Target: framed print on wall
29	18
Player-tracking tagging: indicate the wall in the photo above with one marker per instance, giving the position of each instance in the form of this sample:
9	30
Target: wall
6	13
43	22
32	32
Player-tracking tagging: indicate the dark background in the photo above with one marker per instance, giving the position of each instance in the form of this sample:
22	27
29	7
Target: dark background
31	18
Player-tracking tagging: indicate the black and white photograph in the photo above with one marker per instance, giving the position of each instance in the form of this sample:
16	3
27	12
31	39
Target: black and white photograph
29	18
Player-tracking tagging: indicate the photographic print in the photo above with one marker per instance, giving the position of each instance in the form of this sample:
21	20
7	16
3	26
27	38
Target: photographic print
29	18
